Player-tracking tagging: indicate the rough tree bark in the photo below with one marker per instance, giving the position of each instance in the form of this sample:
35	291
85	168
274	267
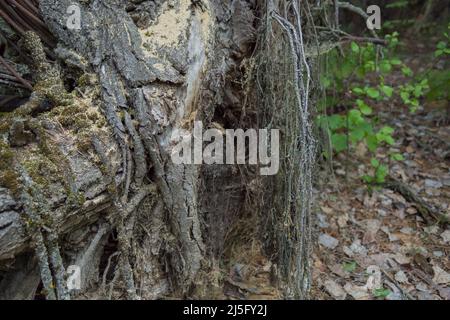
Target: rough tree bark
87	166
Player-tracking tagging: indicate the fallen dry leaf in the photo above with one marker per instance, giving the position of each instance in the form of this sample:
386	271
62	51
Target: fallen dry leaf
328	241
357	292
446	236
440	276
335	290
372	227
401	277
326	210
401	258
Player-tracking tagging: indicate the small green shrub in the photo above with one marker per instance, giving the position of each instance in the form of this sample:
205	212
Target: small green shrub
360	122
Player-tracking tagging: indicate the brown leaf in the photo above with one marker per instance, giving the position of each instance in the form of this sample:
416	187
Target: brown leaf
334	289
423	264
372	227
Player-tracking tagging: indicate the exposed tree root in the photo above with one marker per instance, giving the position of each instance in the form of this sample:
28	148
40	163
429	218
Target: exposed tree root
46	248
430	214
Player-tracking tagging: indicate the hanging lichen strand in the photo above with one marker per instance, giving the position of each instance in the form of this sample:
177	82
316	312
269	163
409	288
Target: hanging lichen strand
284	81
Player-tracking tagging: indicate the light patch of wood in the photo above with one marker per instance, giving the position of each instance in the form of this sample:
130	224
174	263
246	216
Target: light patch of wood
172	23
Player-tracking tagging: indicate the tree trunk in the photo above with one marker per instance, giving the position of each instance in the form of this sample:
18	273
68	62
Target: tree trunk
87	177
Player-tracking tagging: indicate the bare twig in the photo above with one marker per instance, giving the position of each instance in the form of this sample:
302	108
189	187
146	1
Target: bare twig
16	74
105	273
357	10
426	211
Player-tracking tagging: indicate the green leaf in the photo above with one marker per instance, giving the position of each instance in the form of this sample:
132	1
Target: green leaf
336	122
407	71
418	91
405	96
381	173
396	61
381	293
387	90
357	90
369	66
349	266
441	45
357	134
355	118
346	69
385	135
355	47
387	130
367	179
363	107
339	142
374	162
373	93
385	138
385	66
372	142
397	157
438	53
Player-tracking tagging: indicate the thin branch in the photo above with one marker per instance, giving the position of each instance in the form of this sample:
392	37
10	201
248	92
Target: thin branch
347	36
30	14
358	11
16	74
31	6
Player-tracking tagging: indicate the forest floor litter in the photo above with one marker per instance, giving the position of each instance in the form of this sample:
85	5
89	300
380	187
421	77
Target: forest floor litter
374	244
